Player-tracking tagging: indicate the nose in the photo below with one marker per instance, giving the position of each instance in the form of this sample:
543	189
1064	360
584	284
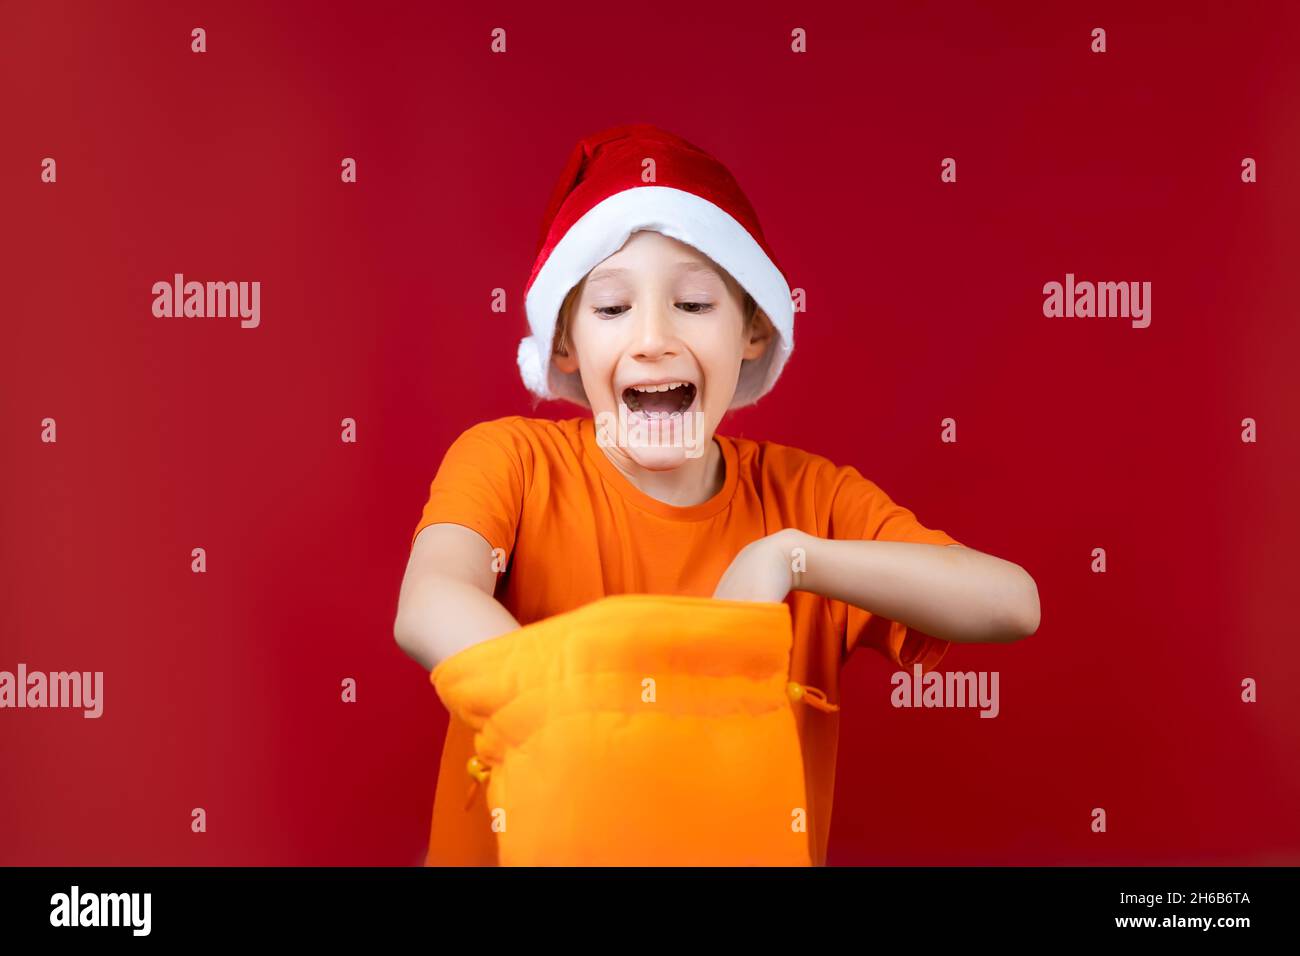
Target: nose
654	335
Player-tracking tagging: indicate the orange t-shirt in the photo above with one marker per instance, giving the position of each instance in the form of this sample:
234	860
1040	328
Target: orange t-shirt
574	530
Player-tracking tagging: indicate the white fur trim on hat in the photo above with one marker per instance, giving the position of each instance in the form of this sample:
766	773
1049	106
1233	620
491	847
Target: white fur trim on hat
680	215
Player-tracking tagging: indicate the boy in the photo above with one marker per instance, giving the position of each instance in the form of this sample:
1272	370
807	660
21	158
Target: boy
655	301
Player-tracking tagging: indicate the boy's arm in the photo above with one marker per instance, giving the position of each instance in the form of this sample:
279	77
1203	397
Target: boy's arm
954	593
446	603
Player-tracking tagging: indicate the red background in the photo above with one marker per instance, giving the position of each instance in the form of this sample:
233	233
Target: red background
924	301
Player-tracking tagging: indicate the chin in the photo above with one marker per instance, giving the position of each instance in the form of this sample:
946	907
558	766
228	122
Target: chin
660	459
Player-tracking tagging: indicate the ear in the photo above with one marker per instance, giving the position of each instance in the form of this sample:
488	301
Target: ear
760	335
566	362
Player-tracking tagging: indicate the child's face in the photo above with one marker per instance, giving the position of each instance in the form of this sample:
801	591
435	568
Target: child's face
660	312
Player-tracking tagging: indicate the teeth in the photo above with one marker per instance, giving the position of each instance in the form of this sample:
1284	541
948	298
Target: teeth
658	388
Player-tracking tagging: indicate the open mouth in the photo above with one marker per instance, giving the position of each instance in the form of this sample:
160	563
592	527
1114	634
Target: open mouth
663	399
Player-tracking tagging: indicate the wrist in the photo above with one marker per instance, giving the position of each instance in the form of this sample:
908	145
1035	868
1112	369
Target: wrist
793	545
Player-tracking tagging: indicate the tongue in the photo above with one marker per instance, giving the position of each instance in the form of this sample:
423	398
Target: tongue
669	401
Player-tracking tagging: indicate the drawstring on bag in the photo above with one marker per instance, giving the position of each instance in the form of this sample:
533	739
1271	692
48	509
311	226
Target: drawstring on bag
479	771
810	695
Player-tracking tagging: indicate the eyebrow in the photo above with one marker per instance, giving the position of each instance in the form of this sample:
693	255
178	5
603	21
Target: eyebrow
611	272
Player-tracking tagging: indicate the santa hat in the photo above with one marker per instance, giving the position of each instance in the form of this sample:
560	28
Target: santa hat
601	200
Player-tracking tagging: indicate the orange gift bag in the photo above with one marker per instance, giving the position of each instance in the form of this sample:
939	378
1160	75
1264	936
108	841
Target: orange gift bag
638	730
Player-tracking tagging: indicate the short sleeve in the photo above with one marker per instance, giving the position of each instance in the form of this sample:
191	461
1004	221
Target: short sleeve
861	510
481	483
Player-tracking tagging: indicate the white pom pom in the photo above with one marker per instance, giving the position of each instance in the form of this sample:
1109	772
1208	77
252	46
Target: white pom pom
531	368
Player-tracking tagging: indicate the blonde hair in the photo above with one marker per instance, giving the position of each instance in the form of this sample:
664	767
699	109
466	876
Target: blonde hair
560	342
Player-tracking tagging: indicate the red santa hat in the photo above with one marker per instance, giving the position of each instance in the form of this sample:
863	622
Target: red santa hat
601	200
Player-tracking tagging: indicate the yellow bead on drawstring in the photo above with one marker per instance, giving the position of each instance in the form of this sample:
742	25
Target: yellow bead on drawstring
477	769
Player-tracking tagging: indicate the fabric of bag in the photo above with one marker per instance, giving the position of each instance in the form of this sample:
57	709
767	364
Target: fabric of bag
638	730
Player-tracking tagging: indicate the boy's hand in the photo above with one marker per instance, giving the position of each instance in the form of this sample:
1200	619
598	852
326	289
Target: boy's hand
762	571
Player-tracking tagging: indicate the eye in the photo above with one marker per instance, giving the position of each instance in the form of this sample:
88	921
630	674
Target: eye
600	310
699	307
